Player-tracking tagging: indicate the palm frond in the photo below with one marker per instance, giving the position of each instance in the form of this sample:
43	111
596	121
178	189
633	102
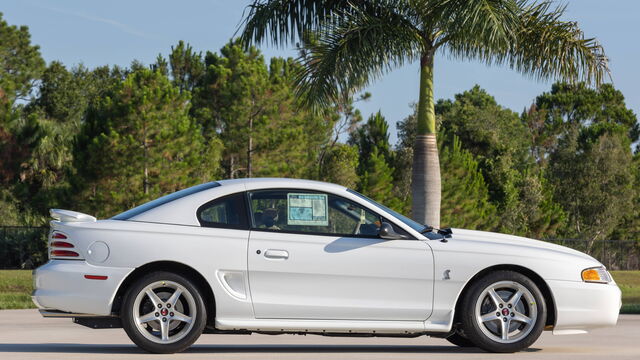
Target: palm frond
349	53
480	29
492	22
543	46
549	48
284	21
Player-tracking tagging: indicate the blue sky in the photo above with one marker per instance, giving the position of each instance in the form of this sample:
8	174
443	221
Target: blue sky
116	32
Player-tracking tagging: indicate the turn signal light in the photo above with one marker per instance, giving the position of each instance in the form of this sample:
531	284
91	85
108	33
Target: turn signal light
66	253
597	275
62	244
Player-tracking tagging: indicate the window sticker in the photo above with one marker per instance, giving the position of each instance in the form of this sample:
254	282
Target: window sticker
307	209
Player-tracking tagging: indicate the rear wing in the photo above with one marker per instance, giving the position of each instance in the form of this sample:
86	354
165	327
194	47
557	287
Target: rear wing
70	216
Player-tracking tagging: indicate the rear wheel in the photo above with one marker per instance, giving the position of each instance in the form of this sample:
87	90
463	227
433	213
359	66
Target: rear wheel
163	313
503	312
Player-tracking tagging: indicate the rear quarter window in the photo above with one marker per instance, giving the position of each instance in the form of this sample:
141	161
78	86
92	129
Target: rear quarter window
228	212
164	200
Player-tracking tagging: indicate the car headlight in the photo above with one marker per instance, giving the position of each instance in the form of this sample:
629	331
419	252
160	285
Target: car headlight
596	275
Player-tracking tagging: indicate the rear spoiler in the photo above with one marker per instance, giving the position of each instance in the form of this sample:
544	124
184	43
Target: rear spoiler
70	216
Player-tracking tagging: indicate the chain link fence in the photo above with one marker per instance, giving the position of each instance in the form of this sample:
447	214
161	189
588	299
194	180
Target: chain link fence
26	248
614	254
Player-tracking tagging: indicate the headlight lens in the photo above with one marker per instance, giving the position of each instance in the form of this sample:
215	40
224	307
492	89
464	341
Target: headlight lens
596	275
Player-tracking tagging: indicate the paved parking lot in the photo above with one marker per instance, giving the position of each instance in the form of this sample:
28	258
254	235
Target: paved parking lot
24	334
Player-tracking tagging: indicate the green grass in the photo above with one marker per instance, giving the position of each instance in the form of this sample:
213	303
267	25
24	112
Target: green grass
16	287
629	283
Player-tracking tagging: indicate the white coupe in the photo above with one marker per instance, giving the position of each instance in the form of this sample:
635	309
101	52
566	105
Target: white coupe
280	256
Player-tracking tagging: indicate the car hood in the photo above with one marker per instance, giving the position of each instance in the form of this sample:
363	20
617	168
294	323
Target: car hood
512	240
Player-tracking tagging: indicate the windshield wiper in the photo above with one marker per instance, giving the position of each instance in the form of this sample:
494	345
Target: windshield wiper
427	229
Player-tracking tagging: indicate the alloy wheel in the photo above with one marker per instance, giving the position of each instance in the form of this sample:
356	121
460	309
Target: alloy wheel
506	312
164	312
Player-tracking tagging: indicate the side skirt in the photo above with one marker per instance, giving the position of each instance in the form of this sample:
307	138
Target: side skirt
326	327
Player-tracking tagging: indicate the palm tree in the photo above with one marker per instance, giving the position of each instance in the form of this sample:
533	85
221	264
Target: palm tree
357	41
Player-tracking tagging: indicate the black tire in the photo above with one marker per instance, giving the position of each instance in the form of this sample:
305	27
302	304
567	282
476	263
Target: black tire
184	329
486	328
459	340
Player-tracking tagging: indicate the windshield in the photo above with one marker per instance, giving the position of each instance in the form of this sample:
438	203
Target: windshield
414	225
163	200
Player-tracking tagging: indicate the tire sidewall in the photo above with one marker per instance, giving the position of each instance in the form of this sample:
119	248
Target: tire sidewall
471	326
128	320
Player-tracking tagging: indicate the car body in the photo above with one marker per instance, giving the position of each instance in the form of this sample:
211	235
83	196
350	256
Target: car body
325	269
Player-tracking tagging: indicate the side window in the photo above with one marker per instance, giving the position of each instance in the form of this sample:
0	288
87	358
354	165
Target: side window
311	212
225	212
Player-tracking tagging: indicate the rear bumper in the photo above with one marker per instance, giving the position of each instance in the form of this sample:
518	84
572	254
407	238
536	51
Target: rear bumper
583	306
61	287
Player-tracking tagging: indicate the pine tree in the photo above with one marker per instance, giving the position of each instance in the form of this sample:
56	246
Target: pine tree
376	180
341	166
465	194
141	144
376	160
465	201
255	111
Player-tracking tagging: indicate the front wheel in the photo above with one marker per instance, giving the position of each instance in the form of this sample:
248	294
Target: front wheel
503	312
163	313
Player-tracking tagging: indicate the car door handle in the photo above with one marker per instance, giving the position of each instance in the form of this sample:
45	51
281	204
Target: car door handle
276	254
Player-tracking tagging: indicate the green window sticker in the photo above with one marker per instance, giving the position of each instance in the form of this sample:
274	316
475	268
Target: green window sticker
307	209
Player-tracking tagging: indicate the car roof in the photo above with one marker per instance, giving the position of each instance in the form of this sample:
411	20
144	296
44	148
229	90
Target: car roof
260	183
182	210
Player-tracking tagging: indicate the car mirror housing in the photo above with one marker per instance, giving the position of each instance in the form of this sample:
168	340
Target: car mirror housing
386	232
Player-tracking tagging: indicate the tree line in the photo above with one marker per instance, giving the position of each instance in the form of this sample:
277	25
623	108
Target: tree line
106	139
350	43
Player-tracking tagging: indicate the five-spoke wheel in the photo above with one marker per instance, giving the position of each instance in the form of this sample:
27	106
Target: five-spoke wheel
163	313
503	312
507	311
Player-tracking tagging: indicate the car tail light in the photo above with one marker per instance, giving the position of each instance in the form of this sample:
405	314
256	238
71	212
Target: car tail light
57	235
62	244
65	253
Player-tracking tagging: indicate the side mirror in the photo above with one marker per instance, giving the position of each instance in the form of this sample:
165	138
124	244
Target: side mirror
386	232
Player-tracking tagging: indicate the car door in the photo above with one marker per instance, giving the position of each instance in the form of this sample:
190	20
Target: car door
315	255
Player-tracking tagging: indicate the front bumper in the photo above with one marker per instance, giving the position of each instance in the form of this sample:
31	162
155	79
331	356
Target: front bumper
582	306
61	285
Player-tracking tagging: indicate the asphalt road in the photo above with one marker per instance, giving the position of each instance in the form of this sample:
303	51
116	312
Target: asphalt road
24	334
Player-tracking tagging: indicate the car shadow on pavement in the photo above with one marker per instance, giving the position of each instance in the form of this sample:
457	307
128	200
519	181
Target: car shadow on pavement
250	348
69	348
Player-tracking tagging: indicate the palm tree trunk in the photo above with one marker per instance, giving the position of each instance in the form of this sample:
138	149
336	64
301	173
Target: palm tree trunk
425	177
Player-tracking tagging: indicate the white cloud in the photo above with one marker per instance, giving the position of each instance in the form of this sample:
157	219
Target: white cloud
116	24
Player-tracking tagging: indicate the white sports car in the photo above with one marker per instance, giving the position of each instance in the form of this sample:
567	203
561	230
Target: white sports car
280	256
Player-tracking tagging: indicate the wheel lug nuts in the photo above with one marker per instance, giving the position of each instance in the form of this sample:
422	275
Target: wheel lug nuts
164	319
157	314
497	314
501	306
159	306
169	305
504	319
509	306
171	314
512	314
